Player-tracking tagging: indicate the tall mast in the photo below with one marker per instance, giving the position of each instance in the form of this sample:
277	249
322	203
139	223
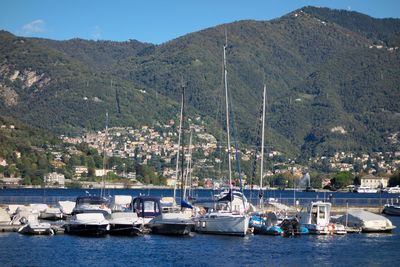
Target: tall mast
179	146
227	116
262	149
183	143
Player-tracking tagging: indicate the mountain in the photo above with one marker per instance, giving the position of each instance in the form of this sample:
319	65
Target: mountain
332	76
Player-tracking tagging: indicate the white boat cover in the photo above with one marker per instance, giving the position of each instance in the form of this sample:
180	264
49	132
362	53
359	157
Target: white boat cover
366	220
66	206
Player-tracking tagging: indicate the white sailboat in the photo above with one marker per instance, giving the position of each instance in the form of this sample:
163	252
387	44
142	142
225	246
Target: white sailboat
224	220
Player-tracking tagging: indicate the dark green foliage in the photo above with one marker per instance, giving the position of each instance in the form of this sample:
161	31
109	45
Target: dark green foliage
394	180
342	179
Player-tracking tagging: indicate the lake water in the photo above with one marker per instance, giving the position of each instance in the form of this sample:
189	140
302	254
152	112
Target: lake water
197	250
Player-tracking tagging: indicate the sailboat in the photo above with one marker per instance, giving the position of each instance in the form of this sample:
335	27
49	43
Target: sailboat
174	221
264	223
224	220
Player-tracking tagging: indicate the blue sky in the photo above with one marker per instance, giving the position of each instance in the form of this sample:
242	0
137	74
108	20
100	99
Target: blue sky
155	21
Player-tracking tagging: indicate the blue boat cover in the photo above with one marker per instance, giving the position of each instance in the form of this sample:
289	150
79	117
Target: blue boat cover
185	204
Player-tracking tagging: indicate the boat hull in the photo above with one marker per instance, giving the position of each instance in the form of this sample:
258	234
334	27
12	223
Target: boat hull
87	229
124	229
392	210
172	228
222	225
36	230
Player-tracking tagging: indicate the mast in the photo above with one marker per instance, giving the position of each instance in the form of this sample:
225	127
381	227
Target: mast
227	117
177	152
183	142
262	150
188	167
103	182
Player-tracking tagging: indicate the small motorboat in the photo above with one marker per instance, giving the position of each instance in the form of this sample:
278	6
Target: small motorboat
32	226
172	223
391	209
125	223
265	225
317	218
52	214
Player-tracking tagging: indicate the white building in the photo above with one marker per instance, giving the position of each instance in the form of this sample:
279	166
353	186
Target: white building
374	181
54	178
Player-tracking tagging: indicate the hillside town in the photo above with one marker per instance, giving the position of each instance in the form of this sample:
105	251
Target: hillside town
157	146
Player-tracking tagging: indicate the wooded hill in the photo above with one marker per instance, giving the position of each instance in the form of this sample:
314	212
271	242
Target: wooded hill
333	80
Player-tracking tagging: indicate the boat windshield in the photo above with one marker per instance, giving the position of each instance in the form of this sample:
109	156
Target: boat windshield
90	201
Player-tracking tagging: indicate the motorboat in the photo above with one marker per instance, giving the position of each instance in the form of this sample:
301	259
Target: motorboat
317	218
391	209
266	224
365	189
32	226
367	221
120	203
125	223
87	224
392	190
52	214
292	227
91	204
173	222
66	207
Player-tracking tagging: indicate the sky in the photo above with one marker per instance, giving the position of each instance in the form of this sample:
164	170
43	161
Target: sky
155	21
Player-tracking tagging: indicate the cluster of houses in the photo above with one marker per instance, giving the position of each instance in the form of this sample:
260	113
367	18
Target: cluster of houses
161	141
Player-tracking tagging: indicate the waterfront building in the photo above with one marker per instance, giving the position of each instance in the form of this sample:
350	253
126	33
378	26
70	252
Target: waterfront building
374	181
54	178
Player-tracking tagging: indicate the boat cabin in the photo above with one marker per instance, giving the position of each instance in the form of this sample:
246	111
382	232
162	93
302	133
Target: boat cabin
146	206
318	213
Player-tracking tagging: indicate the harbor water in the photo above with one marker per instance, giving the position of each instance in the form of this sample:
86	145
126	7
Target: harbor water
197	249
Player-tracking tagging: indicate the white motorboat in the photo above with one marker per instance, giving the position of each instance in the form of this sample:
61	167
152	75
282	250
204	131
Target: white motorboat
365	189
87	224
91	204
125	223
392	190
367	221
317	218
172	223
52	214
33	227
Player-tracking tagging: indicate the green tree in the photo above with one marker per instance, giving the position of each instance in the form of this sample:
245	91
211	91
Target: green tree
342	179
394	180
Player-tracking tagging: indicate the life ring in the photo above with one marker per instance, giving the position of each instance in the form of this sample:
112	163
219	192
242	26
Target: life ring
331	228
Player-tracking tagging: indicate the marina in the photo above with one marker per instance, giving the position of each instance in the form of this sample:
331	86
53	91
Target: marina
195	248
